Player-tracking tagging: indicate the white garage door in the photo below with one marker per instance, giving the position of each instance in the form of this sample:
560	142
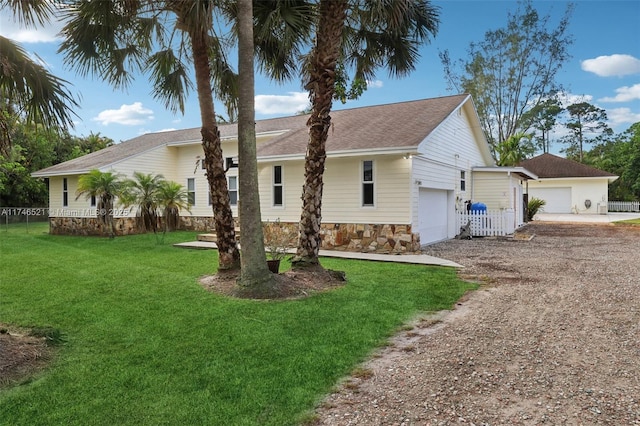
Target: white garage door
558	199
433	215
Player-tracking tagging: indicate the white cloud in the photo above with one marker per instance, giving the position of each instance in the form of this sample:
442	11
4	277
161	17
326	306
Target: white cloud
624	94
10	28
375	84
282	104
128	115
567	99
613	65
622	115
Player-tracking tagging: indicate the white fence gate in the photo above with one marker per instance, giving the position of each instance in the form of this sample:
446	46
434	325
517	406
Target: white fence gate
624	206
488	224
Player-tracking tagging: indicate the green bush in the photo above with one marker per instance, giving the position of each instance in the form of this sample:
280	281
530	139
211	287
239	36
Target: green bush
534	206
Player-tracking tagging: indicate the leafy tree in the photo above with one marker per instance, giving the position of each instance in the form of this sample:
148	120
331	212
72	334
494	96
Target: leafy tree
17	187
27	89
34	149
632	172
585	119
619	155
143	191
512	70
361	37
171	198
105	187
514	149
543	118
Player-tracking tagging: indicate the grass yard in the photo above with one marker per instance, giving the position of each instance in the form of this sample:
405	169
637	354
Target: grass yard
145	344
629	222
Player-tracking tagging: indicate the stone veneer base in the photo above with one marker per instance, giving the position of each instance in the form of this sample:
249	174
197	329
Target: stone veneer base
357	237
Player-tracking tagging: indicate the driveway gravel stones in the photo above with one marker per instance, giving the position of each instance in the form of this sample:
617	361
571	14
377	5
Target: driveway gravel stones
551	337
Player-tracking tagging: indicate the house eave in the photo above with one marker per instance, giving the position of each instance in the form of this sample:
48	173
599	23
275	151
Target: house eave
409	150
609	179
520	171
60	173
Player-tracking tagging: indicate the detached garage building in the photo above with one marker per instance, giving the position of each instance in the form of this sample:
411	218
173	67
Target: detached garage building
568	186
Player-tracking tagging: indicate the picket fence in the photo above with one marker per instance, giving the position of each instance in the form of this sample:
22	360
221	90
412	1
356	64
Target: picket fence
488	224
624	206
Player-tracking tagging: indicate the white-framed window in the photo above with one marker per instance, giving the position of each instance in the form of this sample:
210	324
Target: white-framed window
278	188
65	192
93	201
463	180
233	190
368	188
191	191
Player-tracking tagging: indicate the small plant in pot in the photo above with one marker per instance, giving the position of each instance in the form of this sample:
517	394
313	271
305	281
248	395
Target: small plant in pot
276	241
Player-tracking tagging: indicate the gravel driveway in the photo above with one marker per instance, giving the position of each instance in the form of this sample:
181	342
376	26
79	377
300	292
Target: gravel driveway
552	337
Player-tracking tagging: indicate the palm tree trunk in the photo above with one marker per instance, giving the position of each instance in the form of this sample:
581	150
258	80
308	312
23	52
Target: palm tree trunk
228	254
256	278
321	89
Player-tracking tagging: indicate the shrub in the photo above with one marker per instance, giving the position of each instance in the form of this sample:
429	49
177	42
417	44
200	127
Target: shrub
534	206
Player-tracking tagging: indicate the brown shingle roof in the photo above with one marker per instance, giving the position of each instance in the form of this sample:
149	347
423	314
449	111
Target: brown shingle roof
551	166
399	125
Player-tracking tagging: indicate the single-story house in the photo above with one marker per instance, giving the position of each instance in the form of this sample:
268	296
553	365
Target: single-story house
568	186
395	176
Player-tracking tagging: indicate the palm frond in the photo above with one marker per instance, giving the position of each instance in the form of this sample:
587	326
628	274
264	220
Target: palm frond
29	12
170	79
41	96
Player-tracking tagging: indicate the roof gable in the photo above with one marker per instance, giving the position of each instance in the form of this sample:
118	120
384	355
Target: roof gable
548	166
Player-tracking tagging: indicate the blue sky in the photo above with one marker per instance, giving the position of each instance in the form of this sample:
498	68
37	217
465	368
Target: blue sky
604	69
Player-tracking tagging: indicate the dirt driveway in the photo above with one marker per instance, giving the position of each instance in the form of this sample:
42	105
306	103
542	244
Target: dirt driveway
552	338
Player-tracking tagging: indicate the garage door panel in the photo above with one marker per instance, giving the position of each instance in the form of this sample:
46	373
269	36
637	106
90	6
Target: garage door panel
433	215
558	200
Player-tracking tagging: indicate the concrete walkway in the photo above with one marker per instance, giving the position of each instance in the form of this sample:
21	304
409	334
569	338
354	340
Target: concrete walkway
585	218
418	259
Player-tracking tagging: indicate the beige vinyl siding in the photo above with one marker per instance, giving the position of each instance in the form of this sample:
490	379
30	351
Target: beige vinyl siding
342	197
157	161
76	208
55	192
188	165
292	181
493	189
448	150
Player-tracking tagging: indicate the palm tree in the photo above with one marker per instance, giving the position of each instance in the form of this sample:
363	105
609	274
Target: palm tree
514	149
142	191
359	36
112	38
171	198
105	187
255	277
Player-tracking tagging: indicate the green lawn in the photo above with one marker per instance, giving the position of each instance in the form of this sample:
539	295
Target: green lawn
146	345
629	222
